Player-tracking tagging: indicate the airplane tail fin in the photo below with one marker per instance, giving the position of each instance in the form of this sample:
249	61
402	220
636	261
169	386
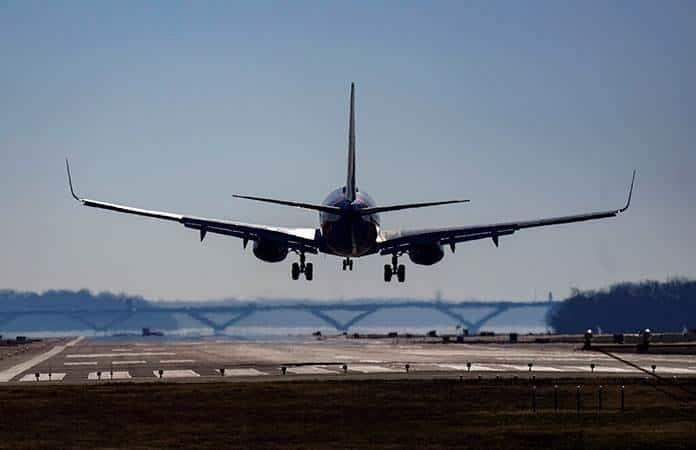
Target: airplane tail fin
350	181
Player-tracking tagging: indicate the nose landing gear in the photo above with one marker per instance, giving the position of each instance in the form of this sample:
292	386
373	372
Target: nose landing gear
348	264
306	268
395	269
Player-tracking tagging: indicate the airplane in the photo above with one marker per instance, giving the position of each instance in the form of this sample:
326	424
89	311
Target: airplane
349	226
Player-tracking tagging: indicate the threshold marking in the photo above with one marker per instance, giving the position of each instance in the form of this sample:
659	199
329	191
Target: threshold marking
117	375
124	363
80	363
309	370
243	372
112	355
176	373
176	361
371	369
43	377
8	374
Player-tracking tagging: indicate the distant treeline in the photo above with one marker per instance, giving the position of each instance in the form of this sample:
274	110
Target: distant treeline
628	307
14	300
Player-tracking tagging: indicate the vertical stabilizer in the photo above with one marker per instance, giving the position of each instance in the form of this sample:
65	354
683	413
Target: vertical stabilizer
350	183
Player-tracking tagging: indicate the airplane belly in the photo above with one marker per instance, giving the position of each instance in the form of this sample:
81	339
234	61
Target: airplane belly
350	236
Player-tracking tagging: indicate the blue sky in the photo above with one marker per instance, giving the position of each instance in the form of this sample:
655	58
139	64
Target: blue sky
530	109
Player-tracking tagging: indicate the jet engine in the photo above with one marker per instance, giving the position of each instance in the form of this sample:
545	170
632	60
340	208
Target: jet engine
270	251
426	254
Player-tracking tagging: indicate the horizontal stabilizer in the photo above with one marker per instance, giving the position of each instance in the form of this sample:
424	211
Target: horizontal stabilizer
381	209
322	208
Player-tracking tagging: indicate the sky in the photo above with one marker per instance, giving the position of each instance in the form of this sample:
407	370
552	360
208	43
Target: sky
530	109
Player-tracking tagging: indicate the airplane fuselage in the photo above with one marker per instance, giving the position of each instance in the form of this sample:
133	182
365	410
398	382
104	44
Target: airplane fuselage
349	235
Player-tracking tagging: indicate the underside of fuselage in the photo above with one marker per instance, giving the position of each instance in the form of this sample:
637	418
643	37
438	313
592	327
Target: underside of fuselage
349	235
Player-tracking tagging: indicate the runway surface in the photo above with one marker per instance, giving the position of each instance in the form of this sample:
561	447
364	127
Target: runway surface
87	360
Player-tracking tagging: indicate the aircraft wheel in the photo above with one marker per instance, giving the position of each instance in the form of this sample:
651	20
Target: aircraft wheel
295	272
309	271
401	273
350	265
387	273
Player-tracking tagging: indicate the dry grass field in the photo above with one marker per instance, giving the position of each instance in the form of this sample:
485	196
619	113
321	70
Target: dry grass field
338	414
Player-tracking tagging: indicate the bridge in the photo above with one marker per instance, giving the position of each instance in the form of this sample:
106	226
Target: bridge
221	317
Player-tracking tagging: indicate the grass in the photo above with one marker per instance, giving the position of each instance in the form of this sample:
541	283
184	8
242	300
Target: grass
337	414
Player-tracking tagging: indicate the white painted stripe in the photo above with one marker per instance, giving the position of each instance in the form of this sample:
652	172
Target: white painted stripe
74	342
119	349
123	363
81	363
487	368
177	361
454	366
606	369
661	370
113	355
43	377
117	375
8	374
536	368
309	370
176	373
371	369
243	373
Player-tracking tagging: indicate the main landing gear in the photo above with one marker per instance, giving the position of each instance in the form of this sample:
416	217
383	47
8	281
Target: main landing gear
348	264
306	268
395	269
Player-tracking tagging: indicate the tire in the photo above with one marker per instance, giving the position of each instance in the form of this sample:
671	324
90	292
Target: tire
401	273
387	273
309	271
295	272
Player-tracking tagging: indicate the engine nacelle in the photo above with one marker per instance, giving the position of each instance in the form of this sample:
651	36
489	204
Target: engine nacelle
270	251
426	254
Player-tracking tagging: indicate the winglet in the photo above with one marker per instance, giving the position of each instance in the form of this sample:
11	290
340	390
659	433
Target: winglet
72	191
630	193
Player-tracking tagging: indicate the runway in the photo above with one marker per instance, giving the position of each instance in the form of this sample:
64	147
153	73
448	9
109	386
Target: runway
90	360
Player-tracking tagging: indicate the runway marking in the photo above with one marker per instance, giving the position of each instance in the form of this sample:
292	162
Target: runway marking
309	370
371	369
344	357
154	349
187	373
74	342
123	363
10	373
243	373
111	355
486	368
81	363
371	361
615	370
43	377
117	375
177	361
660	370
119	349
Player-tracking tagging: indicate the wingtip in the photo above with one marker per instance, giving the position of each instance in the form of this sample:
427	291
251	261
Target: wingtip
630	193
70	184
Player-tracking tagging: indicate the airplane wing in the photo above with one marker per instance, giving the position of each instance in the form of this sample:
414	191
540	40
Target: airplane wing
300	239
401	241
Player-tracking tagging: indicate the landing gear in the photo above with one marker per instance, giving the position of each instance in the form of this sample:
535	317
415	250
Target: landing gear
395	269
348	264
306	268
